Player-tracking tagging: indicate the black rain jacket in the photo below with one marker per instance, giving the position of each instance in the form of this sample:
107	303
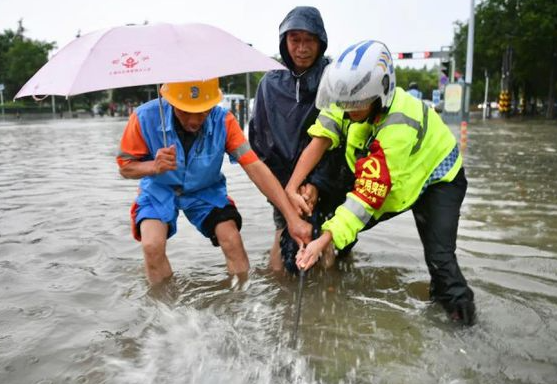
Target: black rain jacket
284	106
284	109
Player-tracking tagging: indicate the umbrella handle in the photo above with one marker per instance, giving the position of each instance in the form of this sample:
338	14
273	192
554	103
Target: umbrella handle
161	114
37	98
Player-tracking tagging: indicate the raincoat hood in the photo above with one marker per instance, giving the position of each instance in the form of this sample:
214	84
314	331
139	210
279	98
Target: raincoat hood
284	106
306	19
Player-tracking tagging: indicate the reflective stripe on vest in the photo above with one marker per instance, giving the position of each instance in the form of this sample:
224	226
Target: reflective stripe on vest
127	156
357	209
329	124
401	118
241	150
421	132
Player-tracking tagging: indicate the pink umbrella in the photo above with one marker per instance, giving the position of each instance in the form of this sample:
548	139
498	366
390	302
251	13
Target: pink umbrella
147	54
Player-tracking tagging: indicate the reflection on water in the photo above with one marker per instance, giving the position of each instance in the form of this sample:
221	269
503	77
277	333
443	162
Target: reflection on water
75	306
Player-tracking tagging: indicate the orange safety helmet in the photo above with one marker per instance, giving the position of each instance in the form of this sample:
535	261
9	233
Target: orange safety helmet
193	96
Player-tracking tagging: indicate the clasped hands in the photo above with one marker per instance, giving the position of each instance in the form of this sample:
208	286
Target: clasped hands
303	200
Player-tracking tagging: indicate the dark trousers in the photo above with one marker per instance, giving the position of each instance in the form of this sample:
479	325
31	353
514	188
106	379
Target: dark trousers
436	213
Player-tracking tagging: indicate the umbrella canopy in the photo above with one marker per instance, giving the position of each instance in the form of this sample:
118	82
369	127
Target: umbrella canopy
140	55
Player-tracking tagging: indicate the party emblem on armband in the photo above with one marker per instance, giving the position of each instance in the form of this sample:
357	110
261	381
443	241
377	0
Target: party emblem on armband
373	181
371	168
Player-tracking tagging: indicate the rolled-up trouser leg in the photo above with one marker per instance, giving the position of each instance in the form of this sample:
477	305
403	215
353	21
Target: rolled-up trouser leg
436	214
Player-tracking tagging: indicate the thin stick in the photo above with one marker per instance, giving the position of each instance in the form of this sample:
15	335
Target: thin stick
298	308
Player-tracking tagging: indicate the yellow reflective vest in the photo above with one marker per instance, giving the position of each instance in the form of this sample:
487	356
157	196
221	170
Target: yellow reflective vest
419	150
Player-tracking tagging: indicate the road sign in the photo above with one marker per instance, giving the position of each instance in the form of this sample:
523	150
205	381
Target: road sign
444	80
2	87
453	98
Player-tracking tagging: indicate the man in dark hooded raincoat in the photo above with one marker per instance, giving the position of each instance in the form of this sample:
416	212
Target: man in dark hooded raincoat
284	109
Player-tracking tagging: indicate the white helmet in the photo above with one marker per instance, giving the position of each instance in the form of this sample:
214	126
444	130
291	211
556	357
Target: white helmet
363	73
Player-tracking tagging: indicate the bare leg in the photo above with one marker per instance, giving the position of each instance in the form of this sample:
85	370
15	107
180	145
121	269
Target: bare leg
232	246
153	240
275	262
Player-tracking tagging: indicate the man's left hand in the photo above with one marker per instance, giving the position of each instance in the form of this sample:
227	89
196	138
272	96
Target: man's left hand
300	230
310	194
308	256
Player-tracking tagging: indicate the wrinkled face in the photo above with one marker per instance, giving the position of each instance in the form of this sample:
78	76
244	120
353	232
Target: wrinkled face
303	48
191	122
360	115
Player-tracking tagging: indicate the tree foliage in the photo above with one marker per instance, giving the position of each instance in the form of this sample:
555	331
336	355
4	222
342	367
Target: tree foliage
237	83
20	58
427	79
528	28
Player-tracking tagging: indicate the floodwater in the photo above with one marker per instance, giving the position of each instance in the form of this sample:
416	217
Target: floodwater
75	306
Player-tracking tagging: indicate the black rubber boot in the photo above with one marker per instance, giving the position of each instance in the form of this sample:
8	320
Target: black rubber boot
463	311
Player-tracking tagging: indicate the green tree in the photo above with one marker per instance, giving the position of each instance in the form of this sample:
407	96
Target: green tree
427	79
237	83
6	40
524	29
537	42
23	59
20	58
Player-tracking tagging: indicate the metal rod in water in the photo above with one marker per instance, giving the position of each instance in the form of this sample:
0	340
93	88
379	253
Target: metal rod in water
298	308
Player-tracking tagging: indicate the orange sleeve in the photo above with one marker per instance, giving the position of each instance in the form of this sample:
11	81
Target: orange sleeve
236	143
132	145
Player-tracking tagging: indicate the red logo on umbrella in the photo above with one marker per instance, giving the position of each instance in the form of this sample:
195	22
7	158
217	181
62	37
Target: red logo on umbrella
129	61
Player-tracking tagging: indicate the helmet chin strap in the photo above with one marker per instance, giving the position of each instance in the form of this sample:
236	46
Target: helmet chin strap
376	109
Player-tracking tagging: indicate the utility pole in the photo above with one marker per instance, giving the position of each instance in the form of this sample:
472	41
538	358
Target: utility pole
505	95
469	62
484	114
53	105
2	99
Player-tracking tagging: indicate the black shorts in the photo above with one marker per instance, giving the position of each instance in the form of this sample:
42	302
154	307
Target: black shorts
219	215
278	218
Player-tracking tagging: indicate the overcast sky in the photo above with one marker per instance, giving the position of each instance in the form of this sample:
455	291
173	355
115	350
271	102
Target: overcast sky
404	25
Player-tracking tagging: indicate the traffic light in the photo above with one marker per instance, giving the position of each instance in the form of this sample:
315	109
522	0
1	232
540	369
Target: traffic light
446	67
405	55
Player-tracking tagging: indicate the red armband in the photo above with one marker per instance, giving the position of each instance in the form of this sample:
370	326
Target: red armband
373	181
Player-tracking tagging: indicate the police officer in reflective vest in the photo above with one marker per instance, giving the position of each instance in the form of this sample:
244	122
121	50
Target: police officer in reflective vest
403	157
